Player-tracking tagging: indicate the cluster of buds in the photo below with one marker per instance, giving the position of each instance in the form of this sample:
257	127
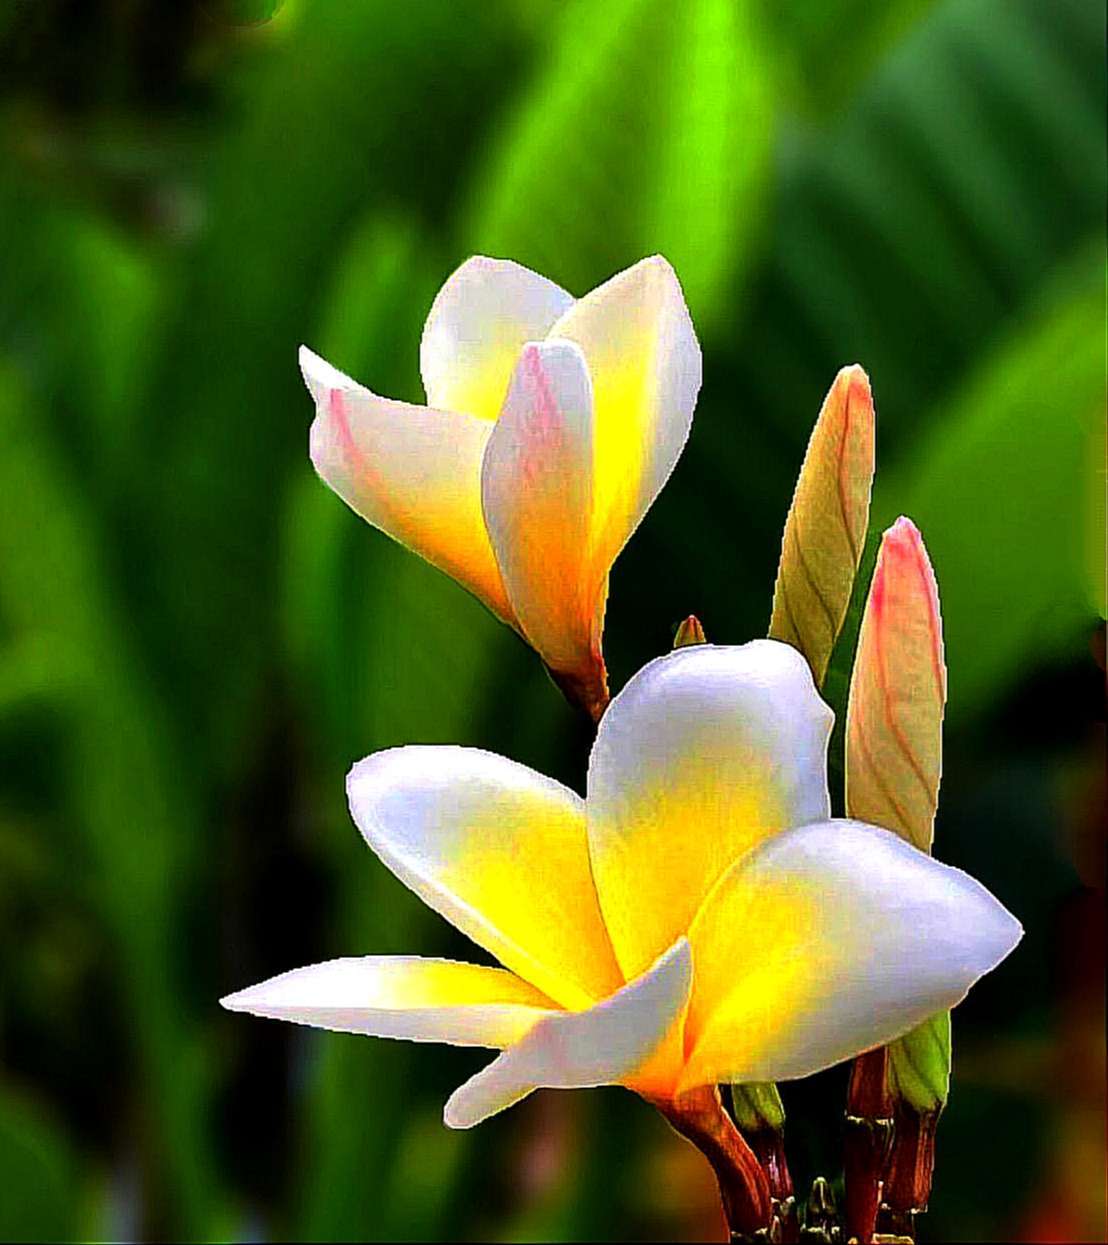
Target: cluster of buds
893	765
699	919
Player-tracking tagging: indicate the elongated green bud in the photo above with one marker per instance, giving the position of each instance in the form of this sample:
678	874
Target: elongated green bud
826	527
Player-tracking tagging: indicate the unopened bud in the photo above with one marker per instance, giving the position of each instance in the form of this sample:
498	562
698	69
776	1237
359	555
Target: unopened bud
819	1222
690	632
760	1115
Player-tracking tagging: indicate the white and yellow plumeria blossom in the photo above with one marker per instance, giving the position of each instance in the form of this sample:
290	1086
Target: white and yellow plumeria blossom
699	918
551	425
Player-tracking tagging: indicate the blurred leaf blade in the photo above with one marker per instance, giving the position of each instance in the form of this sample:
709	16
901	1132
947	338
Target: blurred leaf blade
992	488
38	1161
647	129
402	655
128	798
196	638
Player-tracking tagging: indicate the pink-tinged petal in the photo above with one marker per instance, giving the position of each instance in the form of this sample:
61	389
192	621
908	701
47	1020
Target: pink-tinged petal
476	328
897	694
609	1044
537	497
412	471
499	851
826	941
644	360
894	728
826	528
419	1000
705	752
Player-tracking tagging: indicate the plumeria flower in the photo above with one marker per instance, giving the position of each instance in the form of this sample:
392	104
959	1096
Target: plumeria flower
551	426
698	918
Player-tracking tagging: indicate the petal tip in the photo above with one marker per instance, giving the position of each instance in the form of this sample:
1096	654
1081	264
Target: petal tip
854	374
311	364
904	530
487	262
320	377
454	1116
662	270
1003	936
364	773
902	549
310	370
644	272
237	1001
859	391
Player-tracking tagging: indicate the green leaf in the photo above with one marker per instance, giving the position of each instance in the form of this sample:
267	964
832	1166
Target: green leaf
398	653
996	485
647	130
816	34
119	772
38	668
112	287
40	1173
1096	497
980	214
318	127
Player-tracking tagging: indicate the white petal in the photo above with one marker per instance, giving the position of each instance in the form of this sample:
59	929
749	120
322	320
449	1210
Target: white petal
537	498
644	360
829	940
605	1045
476	328
412	471
706	751
408	997
498	850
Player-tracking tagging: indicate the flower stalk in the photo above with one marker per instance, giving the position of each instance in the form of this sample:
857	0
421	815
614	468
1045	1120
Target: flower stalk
911	1166
589	695
744	1187
757	1109
760	1116
867	1139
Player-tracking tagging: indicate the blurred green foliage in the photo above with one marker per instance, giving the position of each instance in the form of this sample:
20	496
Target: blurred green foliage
197	638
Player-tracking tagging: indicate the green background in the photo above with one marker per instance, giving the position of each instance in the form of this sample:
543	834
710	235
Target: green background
197	638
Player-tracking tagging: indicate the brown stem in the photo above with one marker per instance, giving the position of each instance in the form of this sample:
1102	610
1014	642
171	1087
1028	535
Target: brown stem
866	1140
699	1116
760	1116
589	694
908	1181
769	1149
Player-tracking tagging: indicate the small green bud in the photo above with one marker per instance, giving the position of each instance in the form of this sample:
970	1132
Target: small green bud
757	1107
919	1064
690	632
